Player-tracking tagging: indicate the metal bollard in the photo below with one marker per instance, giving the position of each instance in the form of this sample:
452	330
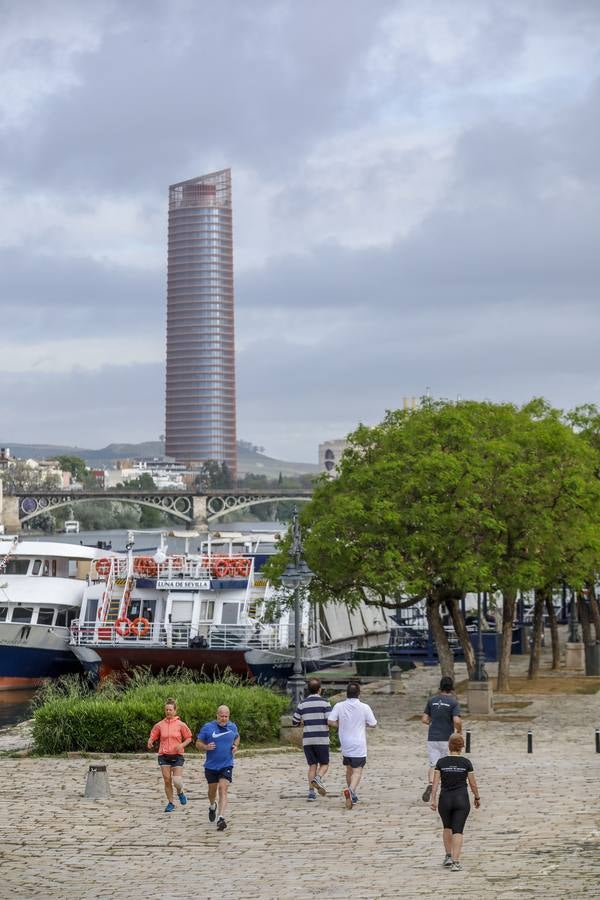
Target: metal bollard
597	740
468	742
530	741
96	786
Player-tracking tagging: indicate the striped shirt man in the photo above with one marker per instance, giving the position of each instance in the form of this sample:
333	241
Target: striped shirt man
313	712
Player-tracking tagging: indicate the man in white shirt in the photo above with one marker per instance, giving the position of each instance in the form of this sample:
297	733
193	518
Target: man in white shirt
352	718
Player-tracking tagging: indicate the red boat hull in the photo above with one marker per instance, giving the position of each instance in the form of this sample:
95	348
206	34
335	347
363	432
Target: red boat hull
209	661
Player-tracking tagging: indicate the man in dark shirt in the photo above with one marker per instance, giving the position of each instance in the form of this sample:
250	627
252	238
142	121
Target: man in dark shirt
442	715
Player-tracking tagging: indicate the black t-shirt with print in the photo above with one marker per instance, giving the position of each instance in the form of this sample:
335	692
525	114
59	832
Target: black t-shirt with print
454	771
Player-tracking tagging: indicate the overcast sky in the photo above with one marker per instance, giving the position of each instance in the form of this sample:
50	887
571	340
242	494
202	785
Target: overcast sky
416	193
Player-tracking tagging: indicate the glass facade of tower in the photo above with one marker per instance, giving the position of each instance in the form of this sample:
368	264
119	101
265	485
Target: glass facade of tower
200	401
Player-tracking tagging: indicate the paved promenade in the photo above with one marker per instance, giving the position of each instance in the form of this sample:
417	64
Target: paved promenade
536	835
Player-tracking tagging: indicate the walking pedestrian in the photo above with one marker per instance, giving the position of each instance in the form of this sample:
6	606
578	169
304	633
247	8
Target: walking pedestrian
312	713
453	772
220	738
173	736
442	714
352	717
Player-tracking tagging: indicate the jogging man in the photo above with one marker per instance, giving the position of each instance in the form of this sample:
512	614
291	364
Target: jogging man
220	739
174	736
442	714
312	712
352	718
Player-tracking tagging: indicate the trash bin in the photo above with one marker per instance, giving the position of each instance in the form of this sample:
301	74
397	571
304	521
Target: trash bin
592	659
372	663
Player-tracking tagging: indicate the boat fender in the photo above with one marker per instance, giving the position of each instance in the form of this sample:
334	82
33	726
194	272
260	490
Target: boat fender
123	626
140	627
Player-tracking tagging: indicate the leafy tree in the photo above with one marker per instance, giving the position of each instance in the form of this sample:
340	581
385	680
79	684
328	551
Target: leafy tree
214	476
19	476
75	465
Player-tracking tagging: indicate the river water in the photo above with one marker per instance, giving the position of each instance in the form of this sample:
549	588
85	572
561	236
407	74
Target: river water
15	706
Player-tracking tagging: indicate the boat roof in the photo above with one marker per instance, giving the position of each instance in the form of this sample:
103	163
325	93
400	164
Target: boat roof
55	549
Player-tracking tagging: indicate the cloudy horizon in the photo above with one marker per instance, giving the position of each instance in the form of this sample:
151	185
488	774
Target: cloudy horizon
415	206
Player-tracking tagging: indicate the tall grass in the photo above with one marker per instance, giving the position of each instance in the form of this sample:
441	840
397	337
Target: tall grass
117	718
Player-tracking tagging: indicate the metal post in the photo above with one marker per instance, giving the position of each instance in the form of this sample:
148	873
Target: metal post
597	740
296	575
468	741
530	741
480	673
573	624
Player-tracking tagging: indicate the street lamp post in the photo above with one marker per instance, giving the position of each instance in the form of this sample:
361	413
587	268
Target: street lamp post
480	673
573	624
296	576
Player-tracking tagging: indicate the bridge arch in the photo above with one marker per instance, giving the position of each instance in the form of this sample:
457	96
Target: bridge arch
215	512
42	504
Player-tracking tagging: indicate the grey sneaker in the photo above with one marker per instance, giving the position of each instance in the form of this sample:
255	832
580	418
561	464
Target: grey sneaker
456	866
212	813
348	798
319	786
447	860
312	795
427	794
221	824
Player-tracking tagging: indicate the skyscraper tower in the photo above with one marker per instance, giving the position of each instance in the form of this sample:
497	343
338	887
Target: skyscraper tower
200	401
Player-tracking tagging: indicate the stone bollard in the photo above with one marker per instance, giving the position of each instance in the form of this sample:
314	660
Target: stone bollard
288	734
480	698
575	656
96	786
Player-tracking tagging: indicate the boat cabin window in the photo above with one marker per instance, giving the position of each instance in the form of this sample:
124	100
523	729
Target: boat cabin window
61	618
230	614
207	610
45	616
16	567
3	612
22	614
37	565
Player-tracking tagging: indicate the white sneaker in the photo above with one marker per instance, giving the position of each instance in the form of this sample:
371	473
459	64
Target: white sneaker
447	860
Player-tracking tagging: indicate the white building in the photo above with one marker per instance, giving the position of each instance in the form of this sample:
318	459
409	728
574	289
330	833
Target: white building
330	454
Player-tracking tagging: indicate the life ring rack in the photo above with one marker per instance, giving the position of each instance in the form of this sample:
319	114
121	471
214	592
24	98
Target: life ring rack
140	627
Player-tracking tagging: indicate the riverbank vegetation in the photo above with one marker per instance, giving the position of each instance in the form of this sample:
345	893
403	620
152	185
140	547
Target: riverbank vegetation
118	717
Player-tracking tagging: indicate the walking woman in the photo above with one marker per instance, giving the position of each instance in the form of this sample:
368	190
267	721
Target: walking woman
453	772
173	736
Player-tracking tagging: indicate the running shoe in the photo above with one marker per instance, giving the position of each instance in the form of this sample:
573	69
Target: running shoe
212	813
354	797
318	785
456	866
169	807
447	860
221	824
312	795
348	798
182	798
427	794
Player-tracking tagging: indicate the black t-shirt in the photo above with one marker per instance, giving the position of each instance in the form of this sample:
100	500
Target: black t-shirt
454	771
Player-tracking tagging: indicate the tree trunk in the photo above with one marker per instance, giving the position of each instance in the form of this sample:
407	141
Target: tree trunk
463	635
553	631
508	617
584	618
444	652
536	637
594	609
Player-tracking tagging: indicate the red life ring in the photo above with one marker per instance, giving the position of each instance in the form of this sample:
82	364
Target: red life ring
221	568
123	626
242	567
140	627
103	566
178	562
145	565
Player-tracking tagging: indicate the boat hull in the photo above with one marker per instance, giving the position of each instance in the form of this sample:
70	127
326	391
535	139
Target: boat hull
210	661
31	653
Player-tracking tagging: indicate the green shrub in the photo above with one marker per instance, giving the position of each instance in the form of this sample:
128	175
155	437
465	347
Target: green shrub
118	719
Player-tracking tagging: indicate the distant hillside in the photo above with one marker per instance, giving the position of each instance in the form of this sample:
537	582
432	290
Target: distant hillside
249	459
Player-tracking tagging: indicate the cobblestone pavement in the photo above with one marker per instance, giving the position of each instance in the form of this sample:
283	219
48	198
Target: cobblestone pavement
536	835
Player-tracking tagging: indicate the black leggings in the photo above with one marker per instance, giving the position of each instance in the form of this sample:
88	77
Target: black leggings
454	807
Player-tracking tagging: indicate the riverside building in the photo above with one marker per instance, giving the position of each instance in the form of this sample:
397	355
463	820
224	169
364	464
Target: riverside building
200	388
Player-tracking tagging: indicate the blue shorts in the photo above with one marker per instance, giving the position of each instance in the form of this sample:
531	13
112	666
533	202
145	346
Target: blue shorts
175	760
317	755
213	776
355	762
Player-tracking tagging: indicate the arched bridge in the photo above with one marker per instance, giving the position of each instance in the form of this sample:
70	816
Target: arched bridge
191	508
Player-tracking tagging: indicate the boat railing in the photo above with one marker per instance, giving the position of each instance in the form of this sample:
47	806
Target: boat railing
197	567
176	634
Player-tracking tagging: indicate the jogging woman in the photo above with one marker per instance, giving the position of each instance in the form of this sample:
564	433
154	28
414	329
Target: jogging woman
454	771
174	736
